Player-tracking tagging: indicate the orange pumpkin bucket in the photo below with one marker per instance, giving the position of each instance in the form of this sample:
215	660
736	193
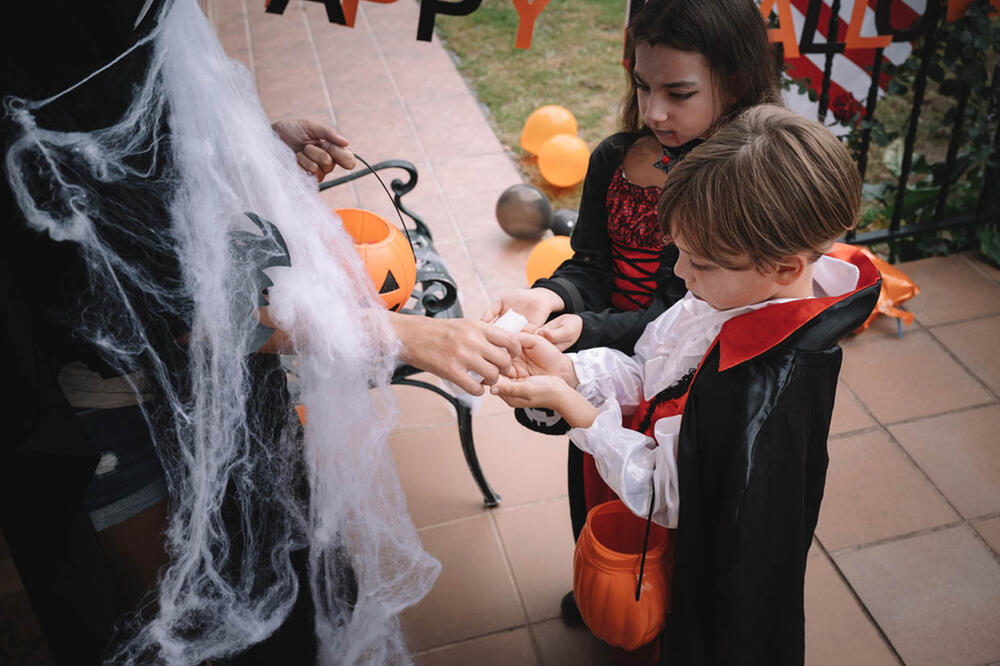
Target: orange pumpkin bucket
385	252
606	570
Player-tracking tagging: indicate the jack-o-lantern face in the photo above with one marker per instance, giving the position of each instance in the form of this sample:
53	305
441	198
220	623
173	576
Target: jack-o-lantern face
385	252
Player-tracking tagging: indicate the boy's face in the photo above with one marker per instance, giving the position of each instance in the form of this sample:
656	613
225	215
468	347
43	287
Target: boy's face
724	288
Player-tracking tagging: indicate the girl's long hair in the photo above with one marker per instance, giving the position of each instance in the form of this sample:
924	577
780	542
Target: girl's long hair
732	36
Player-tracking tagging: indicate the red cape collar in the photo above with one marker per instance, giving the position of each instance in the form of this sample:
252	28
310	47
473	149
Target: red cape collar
751	334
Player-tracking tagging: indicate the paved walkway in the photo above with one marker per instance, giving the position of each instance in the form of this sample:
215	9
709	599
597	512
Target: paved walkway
905	567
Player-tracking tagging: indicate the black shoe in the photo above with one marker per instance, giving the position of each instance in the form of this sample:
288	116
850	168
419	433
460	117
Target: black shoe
570	611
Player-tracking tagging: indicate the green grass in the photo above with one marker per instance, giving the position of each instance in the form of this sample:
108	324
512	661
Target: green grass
574	61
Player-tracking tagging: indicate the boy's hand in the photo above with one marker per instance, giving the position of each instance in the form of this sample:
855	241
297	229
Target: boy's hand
318	148
548	392
537	391
563	331
534	304
541	357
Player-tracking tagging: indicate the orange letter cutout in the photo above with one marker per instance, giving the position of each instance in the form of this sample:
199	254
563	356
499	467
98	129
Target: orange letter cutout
527	12
785	32
854	39
351	9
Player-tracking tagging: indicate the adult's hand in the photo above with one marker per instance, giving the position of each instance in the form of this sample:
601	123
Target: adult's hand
535	305
452	348
318	148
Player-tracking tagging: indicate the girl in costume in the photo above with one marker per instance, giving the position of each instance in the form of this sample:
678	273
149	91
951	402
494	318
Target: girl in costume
717	426
691	65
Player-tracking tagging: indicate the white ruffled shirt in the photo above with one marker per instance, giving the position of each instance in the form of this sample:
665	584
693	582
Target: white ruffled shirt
670	347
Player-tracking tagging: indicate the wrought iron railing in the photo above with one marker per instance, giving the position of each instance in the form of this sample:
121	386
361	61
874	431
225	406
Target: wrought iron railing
924	33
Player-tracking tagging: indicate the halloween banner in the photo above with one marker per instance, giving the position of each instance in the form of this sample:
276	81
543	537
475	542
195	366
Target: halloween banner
856	32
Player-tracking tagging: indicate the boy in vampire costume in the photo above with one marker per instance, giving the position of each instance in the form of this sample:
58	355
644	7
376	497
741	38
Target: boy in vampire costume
717	426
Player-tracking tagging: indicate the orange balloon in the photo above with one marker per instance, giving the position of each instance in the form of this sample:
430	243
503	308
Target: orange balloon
546	257
563	160
605	574
543	124
386	253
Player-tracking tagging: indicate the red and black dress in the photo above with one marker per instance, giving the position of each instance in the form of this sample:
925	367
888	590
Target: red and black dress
621	275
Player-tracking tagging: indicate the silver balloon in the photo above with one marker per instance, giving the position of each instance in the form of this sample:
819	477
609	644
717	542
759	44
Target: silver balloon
524	211
563	221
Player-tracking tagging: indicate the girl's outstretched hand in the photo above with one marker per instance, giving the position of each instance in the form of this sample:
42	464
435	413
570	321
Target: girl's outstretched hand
534	304
563	331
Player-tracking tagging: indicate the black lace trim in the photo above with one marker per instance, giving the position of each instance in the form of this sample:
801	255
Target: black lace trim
672	392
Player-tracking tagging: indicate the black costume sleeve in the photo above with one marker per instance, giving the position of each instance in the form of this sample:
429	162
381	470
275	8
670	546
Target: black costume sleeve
584	281
616	329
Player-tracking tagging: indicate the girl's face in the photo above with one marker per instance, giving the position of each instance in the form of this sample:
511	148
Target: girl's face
677	95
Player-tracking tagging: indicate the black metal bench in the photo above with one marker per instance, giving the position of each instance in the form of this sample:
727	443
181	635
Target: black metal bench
435	295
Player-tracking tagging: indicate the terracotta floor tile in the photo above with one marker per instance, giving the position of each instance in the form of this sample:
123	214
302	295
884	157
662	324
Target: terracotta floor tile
982	264
508	648
470	288
274	34
940	279
373	92
380	133
848	413
348	76
231	28
411	57
420	407
284	97
434	475
974	343
429	87
475	214
563	645
471	561
500	261
522	465
447	111
959	453
837	629
473	175
464	138
908	378
990	531
936	596
397	16
874	492
539	542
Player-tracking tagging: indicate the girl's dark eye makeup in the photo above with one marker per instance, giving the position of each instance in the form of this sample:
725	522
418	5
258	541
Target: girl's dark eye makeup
687	95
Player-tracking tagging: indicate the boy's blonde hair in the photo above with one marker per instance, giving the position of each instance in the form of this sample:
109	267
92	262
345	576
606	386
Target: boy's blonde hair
768	185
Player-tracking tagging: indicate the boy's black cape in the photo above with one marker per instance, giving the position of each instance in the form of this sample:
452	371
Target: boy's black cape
752	462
